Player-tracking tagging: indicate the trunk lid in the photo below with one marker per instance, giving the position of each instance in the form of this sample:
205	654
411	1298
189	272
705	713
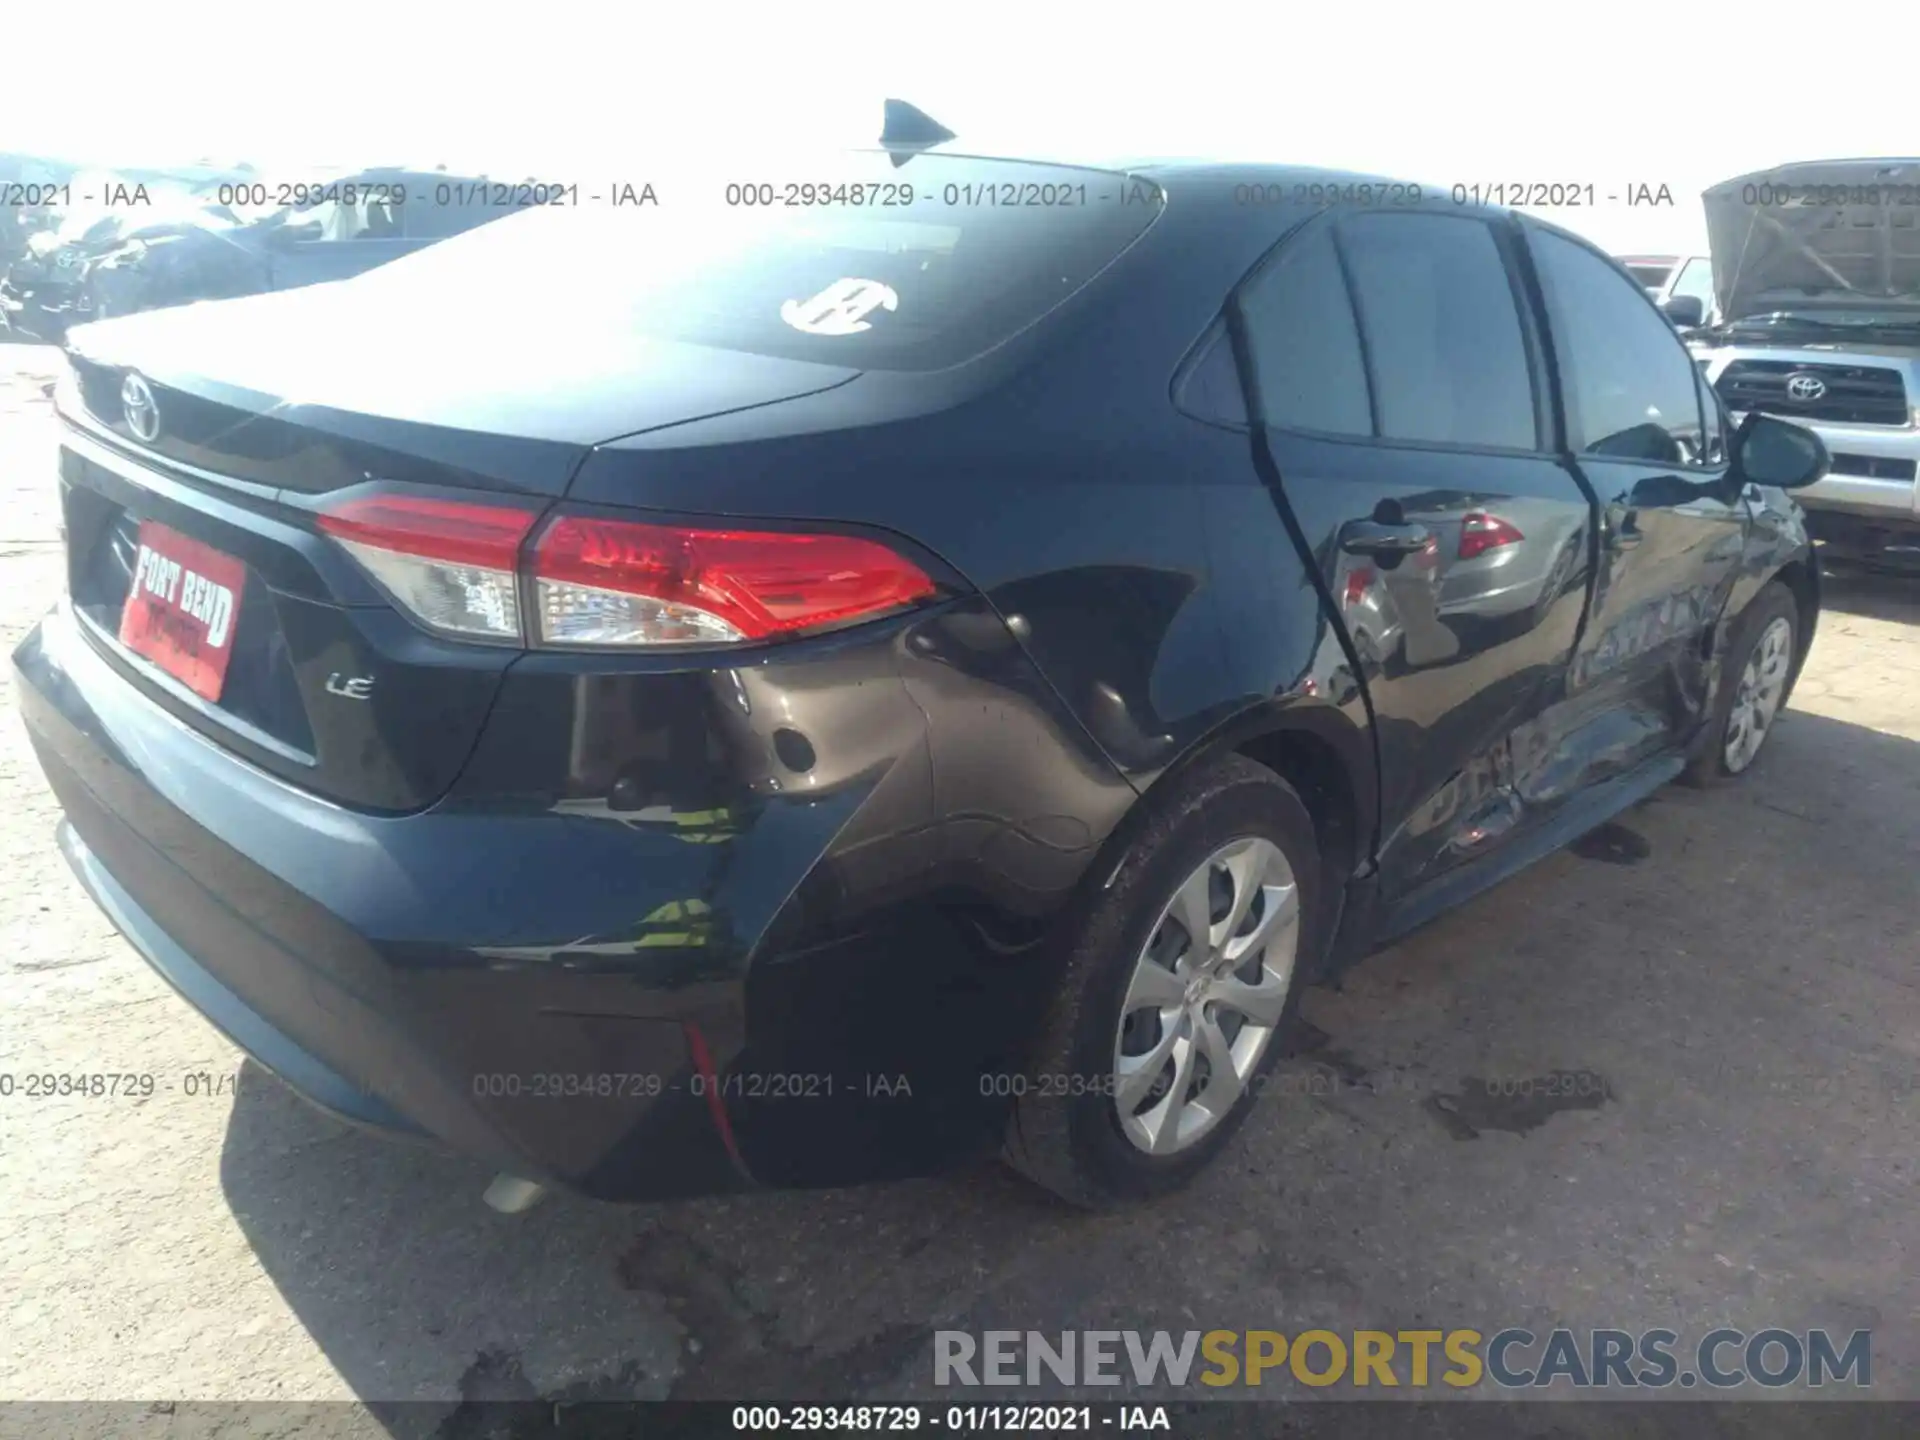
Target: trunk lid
315	389
251	415
1824	236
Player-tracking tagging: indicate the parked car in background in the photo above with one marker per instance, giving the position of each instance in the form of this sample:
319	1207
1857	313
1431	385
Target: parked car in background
1652	271
336	228
1817	285
44	286
1687	297
217	245
821	702
1666	277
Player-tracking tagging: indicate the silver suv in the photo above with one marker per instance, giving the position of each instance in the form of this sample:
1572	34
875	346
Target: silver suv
1816	278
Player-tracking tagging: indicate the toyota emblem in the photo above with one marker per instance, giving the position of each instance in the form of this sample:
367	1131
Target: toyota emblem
1805	388
138	405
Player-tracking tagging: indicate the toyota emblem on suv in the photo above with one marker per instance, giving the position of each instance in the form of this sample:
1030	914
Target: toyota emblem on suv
140	408
1805	388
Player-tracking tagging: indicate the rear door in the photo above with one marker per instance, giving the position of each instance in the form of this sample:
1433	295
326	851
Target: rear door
1396	377
1648	436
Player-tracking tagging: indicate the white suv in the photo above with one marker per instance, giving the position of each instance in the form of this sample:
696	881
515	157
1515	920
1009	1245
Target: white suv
1816	288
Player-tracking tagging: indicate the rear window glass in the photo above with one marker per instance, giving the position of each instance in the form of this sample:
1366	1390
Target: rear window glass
854	263
1307	365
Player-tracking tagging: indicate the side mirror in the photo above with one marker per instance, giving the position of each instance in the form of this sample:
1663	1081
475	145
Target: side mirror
1769	451
1687	312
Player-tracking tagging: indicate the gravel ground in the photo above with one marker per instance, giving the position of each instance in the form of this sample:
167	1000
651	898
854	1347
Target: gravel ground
1738	965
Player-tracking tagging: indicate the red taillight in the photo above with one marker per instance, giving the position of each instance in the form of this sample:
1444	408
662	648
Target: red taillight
1359	581
449	530
1480	532
448	563
456	567
620	582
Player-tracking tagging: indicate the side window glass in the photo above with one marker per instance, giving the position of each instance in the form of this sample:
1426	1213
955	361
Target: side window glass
1696	279
1631	387
430	217
1714	417
1306	351
381	220
322	221
1442	330
1210	389
337	221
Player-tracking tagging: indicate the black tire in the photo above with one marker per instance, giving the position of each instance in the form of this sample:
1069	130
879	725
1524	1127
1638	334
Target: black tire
1072	1143
1707	766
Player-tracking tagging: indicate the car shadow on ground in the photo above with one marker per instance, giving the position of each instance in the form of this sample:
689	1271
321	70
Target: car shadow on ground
416	1292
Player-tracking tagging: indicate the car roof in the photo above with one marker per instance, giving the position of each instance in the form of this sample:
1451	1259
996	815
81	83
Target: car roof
1223	184
1212	171
1235	172
1189	170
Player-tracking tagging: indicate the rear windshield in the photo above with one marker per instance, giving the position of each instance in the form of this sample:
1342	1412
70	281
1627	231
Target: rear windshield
853	262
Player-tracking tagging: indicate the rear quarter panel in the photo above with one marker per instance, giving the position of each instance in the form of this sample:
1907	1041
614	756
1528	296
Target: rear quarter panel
1133	551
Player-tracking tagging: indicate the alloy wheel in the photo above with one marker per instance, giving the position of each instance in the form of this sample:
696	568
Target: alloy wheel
1206	995
1763	684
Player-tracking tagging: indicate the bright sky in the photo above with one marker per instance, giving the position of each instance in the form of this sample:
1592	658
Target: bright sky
1675	94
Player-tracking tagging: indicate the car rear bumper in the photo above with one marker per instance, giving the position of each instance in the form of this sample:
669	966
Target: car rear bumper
768	987
261	906
200	987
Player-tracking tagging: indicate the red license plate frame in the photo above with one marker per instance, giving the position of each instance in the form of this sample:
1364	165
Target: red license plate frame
183	608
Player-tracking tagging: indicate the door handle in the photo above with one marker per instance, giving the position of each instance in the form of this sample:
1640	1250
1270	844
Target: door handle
1371	537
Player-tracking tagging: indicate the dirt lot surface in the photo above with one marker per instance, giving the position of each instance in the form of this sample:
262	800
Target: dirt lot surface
1738	966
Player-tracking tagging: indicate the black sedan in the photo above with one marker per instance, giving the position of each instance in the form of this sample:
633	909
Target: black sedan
884	674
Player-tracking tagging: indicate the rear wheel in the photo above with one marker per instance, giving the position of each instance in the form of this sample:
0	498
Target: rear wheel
1180	985
1753	688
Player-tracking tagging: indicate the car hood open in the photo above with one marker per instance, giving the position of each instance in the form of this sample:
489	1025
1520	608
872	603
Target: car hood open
1824	235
